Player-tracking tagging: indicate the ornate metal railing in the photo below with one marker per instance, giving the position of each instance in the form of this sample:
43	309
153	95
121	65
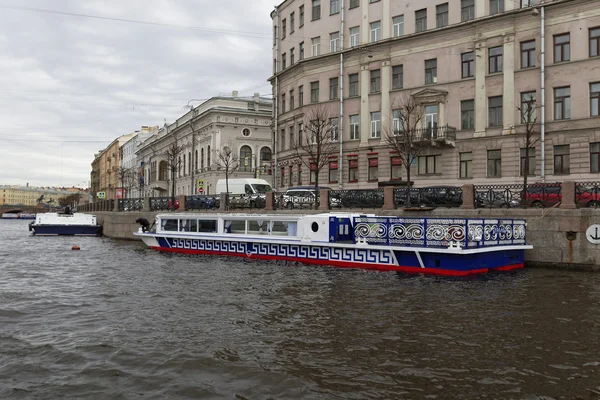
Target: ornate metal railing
434	196
360	198
134	204
242	201
442	132
202	202
507	196
163	203
587	194
306	199
439	232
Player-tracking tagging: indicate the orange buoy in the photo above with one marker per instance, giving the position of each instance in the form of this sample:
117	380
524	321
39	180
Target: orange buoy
75	247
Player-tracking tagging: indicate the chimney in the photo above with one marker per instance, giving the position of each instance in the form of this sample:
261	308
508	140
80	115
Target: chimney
234	94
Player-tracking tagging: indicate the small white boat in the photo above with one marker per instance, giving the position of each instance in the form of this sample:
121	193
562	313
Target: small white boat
67	223
444	246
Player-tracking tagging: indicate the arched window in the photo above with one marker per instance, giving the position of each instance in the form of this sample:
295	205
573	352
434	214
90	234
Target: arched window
183	165
208	156
265	154
179	166
196	161
202	158
189	162
246	158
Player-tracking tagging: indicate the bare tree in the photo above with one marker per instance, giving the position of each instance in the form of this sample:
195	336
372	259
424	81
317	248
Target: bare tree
227	161
528	111
122	176
318	141
173	155
404	135
71	200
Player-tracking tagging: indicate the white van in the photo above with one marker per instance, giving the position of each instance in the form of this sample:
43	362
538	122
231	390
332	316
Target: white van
244	186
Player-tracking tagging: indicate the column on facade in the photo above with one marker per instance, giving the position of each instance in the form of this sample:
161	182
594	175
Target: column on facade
386	86
386	21
480	8
480	93
508	75
442	112
364	24
365	117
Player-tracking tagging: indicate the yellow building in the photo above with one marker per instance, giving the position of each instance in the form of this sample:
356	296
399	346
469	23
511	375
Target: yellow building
30	196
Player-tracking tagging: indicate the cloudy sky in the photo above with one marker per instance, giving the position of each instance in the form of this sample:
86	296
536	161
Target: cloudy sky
74	74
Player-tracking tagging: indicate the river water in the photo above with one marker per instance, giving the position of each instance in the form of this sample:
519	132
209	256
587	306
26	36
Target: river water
116	320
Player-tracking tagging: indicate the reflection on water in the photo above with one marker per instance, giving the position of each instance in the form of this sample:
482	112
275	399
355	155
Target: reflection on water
115	320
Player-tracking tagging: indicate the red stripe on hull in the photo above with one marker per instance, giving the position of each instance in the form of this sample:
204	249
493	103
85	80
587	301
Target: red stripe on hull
345	264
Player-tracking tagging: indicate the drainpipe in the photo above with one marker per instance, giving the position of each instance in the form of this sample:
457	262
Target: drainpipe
341	120
543	92
276	98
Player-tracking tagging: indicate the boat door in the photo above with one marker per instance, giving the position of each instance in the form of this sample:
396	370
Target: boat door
340	230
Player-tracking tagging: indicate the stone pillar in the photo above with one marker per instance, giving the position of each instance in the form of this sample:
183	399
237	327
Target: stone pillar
116	205
468	197
386	21
568	195
324	200
480	8
480	94
269	201
181	199
223	201
364	25
388	198
508	97
146	204
442	113
386	86
365	117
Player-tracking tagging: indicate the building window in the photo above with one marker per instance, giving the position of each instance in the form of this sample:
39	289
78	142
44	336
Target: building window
283	61
353	86
528	54
431	71
397	125
528	3
441	15
355	127
467	10
466	165
292	99
292	22
496	7
283	25
495	59
301	95
314	92
334	7
292	138
333	171
397	77
301	10
299	174
495	111
300	134
561	160
282	177
301	50
292	56
395	168
333	88
421	20
375	81
562	103
354	36
431	120
595	157
398	25
291	175
530	167
313	173
354	3
562	47
528	107
283	103
594	42
467	114
375	29
282	144
375	125
468	65
494	163
429	165
373	169
595	99
334	123
353	171
334	42
316	9
316	46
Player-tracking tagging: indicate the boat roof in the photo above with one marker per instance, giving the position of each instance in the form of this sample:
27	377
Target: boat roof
282	216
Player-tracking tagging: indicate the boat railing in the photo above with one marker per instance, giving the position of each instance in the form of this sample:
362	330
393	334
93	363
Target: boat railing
439	232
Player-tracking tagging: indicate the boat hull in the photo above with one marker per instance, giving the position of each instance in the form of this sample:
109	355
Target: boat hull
66	230
410	260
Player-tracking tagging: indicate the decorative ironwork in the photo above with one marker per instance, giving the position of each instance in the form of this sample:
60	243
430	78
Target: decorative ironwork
241	201
433	196
439	132
360	198
537	195
440	232
202	202
587	194
133	204
163	203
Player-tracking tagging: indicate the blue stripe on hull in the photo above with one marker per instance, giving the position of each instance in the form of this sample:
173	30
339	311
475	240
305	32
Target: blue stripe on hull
462	262
66	230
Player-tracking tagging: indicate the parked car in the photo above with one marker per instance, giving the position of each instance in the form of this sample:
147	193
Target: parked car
304	197
430	196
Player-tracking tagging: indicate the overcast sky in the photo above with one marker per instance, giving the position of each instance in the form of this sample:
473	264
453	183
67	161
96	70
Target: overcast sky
71	84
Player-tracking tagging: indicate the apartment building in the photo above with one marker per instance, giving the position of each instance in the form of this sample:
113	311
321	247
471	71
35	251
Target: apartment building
471	64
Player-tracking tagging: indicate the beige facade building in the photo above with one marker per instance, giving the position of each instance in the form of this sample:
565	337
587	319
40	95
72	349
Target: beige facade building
470	63
241	123
29	195
104	177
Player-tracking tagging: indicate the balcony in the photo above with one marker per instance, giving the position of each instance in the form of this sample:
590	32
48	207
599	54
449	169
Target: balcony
438	135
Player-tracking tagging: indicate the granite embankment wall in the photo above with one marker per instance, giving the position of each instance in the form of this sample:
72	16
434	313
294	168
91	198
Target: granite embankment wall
557	235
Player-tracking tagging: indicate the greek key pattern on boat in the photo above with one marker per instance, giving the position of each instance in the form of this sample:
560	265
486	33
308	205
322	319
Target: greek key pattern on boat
207	245
439	232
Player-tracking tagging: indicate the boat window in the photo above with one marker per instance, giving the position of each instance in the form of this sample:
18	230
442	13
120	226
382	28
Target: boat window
279	228
188	225
207	225
169	224
258	227
235	226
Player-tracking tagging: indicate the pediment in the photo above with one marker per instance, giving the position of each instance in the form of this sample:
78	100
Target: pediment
430	94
